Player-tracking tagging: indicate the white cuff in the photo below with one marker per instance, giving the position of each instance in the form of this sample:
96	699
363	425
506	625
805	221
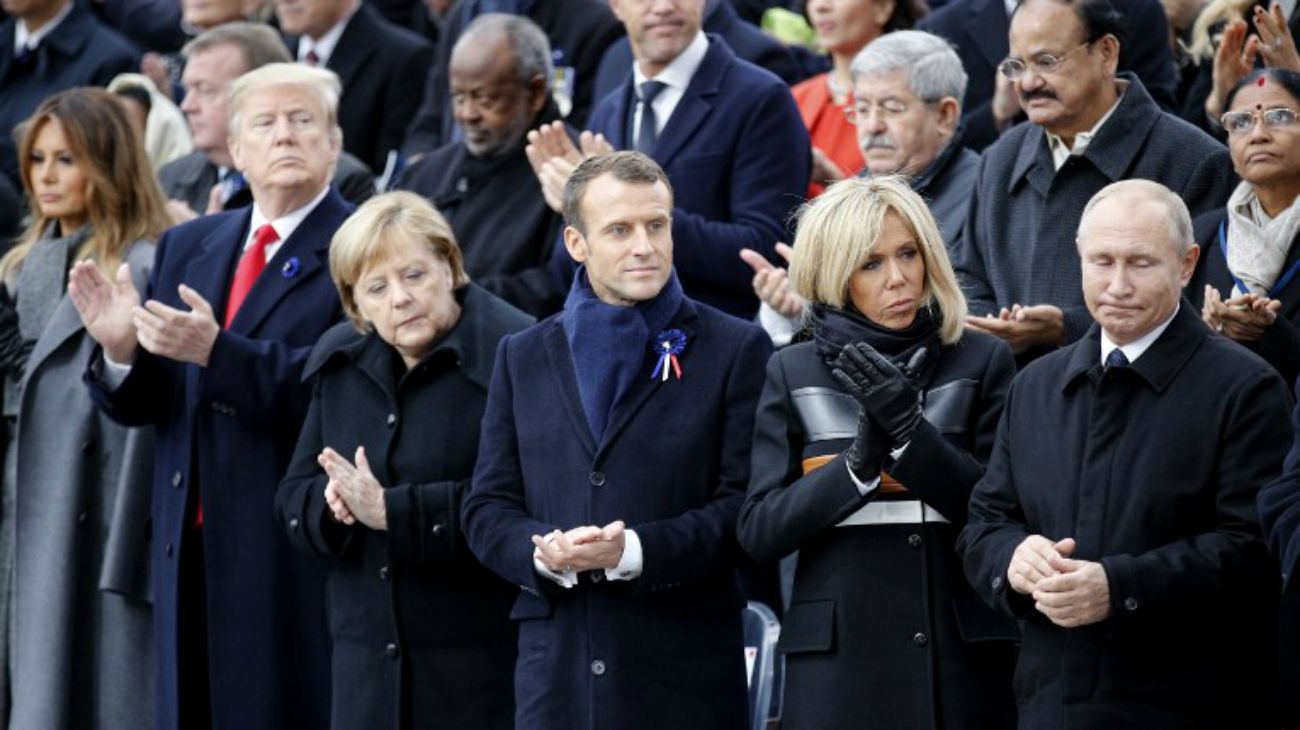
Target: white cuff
777	326
864	488
113	374
565	579
629	565
897	453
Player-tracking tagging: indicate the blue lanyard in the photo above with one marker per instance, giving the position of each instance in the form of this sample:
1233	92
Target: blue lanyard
1278	286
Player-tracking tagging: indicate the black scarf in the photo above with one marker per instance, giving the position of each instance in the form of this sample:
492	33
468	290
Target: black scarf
609	344
833	329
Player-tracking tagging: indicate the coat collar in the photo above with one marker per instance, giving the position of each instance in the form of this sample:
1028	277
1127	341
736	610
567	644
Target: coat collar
939	165
1158	365
1113	151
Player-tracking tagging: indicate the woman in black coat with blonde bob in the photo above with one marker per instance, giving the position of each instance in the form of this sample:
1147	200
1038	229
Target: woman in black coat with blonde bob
868	441
421	633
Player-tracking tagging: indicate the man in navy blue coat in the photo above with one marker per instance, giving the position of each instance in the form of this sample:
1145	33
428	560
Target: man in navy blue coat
728	134
239	623
613	460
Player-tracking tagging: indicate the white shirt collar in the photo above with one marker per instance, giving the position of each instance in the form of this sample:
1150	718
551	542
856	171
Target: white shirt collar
679	73
285	225
1134	349
24	40
325	45
1011	6
1061	153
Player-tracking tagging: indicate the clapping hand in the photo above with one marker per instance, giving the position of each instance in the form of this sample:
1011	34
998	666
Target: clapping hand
772	283
353	494
1246	318
554	157
107	308
582	548
887	394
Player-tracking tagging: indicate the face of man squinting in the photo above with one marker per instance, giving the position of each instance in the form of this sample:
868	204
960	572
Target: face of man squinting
897	132
206	78
1133	275
628	246
888	287
659	30
283	141
493	108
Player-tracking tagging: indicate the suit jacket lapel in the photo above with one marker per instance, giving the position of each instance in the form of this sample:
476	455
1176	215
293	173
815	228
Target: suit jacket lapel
988	29
309	246
644	386
209	272
63	325
560	361
696	103
353	48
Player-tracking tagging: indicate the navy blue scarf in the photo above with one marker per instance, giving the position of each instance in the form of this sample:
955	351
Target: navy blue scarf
609	344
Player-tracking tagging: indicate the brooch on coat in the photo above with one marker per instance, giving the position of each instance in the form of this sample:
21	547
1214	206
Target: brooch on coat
668	345
290	268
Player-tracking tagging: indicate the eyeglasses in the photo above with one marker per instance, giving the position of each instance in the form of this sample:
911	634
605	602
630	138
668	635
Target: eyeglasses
885	109
1239	123
1043	63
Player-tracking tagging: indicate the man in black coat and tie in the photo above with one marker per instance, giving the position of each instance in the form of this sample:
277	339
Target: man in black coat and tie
1117	518
613	461
381	66
483	183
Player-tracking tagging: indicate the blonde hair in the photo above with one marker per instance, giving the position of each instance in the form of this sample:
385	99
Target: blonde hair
1219	11
381	225
124	202
839	230
323	83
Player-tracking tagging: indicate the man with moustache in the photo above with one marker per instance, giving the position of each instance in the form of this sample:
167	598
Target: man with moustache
1087	128
499	91
1116	519
612	466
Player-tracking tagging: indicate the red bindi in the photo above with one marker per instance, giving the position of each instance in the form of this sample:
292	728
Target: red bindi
1260	82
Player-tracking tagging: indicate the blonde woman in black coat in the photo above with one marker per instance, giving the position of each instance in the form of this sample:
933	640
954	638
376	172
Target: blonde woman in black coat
420	631
868	441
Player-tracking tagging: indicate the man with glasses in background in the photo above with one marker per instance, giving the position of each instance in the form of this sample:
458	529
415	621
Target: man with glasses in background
1088	127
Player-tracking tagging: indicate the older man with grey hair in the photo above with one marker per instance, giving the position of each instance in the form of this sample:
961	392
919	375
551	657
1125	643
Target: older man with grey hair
907	90
483	182
1117	517
213	360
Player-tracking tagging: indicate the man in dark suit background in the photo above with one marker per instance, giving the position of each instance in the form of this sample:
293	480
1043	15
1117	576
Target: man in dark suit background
380	65
727	132
1117	516
239	621
483	183
613	461
47	46
205	180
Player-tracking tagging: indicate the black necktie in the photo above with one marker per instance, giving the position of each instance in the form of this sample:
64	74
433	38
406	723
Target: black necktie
1116	359
646	134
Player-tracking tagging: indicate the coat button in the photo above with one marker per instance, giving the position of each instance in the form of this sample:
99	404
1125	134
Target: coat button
997	583
390	651
383	572
168	550
920	639
176	480
436	530
81	518
597	479
597	576
293	523
598	667
391	420
914	540
1131	603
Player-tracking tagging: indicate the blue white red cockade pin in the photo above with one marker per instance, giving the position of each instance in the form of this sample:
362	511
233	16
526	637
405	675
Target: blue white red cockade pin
668	344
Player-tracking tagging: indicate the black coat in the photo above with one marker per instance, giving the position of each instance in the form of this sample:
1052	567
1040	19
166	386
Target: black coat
381	67
1279	511
506	231
1153	469
1281	346
883	629
421	631
663	650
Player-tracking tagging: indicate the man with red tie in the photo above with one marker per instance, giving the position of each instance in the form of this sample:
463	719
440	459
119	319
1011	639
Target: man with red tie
213	359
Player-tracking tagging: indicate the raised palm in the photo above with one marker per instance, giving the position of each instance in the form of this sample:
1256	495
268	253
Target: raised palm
106	308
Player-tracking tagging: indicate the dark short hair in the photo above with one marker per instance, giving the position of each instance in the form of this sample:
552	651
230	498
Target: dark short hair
628	167
136	93
1099	19
1289	80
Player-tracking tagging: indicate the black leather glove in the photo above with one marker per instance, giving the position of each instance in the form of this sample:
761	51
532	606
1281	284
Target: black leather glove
866	455
13	348
887	395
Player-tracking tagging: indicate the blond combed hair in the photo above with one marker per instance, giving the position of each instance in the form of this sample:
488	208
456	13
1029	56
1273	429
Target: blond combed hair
839	230
124	202
323	83
1201	47
379	227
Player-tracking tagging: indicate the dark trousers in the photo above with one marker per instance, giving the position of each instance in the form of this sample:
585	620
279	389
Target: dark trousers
192	630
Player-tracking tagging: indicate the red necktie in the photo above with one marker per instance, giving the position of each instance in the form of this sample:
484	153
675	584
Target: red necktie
250	265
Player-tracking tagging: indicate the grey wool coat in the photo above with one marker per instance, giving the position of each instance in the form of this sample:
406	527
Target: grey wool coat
83	640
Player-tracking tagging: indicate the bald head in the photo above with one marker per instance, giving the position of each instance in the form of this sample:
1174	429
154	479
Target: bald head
1148	200
500	75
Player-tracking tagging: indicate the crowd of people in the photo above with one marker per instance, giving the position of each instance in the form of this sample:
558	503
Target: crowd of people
472	363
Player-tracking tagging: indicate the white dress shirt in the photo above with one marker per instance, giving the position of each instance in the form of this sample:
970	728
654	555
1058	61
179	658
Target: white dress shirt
325	45
1134	349
629	564
1061	153
28	40
676	77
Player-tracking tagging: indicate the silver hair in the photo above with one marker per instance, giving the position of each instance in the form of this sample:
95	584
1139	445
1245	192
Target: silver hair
323	83
933	69
1177	218
531	48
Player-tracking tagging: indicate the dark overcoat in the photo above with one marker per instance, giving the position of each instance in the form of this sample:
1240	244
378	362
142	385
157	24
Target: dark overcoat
1279	511
1153	470
662	650
738	155
229	430
382	68
1018	244
421	631
1281	345
883	630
